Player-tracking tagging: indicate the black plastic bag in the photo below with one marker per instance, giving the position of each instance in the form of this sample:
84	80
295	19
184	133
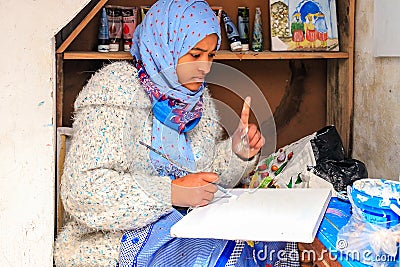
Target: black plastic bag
331	163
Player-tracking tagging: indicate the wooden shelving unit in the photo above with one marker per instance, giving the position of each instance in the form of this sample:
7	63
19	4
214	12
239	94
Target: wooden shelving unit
80	44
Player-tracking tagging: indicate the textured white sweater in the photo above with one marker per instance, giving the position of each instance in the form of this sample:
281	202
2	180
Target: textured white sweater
109	185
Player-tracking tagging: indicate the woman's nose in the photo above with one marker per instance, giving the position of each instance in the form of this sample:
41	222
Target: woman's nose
205	66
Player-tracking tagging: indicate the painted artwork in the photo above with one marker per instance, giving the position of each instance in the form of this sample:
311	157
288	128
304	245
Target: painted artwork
303	25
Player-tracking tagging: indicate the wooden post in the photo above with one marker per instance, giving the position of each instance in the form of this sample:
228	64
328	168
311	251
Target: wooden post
59	205
340	77
60	89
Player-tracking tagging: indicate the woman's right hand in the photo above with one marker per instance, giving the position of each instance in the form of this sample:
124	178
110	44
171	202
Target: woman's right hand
194	189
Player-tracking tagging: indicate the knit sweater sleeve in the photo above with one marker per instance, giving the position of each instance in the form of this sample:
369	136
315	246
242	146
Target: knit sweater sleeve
108	183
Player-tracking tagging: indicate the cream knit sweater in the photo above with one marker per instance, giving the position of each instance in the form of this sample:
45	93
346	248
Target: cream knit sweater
109	185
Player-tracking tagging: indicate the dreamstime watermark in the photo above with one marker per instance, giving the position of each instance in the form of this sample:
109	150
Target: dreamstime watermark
267	254
344	254
365	256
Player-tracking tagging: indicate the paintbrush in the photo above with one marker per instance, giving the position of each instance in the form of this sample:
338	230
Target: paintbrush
220	188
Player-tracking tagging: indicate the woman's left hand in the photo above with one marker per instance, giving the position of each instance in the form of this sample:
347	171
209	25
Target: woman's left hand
247	140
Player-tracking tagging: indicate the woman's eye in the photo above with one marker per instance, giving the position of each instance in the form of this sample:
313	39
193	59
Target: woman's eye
195	55
211	55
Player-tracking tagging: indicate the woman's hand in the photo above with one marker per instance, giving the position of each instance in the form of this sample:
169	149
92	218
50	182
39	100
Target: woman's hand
247	140
194	189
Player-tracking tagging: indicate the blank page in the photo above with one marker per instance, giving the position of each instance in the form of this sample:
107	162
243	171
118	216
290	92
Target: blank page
260	215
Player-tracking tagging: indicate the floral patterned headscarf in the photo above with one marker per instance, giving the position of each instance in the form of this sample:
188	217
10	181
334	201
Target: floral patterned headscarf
170	29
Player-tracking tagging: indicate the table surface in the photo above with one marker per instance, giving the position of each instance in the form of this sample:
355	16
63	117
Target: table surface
323	252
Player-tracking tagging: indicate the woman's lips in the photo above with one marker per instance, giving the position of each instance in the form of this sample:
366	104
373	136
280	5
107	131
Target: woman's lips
197	79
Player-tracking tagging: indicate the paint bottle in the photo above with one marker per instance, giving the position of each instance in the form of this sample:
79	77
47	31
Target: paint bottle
243	27
129	21
257	42
232	33
103	44
114	17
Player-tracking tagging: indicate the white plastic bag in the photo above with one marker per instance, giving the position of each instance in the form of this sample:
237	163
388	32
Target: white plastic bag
369	243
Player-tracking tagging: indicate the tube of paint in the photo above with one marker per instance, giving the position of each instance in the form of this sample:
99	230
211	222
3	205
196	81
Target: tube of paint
129	21
232	33
103	38
243	27
257	42
114	26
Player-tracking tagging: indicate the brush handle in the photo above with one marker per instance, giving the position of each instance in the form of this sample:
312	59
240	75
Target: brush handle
220	188
167	158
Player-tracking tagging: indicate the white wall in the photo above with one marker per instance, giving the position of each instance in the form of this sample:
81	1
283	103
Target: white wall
377	101
27	101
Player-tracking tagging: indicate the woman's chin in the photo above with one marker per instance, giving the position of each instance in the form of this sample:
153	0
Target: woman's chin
193	86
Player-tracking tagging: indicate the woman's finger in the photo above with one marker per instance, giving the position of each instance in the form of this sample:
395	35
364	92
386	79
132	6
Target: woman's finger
208	196
244	116
256	138
211	188
260	143
252	132
209	177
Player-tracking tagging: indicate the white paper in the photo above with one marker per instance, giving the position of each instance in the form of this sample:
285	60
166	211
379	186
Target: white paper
260	215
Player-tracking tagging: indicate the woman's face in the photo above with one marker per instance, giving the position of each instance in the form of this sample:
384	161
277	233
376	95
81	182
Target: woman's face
193	66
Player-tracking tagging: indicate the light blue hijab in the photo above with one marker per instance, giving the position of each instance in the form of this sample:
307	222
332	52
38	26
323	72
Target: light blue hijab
170	29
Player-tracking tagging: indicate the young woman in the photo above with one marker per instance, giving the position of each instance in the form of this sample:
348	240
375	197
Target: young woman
122	198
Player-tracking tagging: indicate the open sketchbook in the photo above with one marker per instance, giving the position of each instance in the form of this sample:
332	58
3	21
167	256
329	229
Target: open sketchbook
260	215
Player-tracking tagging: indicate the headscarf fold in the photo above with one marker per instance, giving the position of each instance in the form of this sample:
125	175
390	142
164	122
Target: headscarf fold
170	29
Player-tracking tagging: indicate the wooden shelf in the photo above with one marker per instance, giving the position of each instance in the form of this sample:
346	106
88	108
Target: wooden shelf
221	55
77	52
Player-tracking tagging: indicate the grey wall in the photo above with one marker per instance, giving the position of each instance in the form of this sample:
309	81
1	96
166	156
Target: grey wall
377	101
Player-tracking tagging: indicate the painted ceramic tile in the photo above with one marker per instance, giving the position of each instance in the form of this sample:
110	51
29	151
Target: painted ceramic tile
303	25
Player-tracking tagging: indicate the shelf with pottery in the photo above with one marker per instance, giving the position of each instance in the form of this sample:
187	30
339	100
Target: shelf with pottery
221	55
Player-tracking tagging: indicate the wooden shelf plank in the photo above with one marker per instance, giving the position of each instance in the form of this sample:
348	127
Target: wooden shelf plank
226	55
96	55
221	55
